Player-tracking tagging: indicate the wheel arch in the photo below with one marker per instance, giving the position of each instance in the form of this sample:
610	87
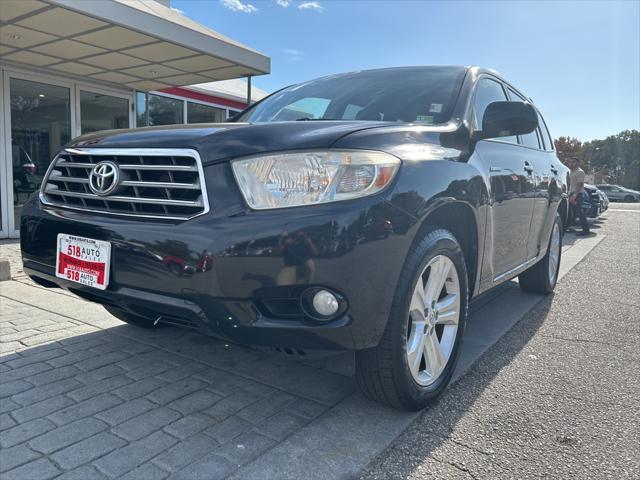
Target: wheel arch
563	210
458	218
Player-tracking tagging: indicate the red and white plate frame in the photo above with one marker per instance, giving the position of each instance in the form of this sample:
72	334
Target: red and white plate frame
89	265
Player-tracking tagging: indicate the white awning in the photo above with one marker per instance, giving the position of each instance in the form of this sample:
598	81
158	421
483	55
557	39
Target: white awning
137	43
232	89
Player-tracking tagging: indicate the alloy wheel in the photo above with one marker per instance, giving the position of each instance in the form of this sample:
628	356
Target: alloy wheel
434	314
554	254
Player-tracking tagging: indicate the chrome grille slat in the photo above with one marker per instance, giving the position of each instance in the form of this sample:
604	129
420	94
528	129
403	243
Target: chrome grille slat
57	177
136	183
115	198
156	183
175	168
64	163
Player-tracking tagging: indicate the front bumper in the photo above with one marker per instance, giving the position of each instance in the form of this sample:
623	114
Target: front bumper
240	277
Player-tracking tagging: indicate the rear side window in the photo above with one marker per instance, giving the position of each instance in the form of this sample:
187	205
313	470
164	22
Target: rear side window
489	91
546	136
530	139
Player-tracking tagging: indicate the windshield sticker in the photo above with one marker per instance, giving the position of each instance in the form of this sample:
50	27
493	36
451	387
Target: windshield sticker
424	118
435	108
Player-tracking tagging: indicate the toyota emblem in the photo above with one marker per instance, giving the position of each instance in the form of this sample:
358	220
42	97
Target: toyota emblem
104	178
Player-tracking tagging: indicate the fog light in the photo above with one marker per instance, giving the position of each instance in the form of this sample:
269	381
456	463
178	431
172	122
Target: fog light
325	303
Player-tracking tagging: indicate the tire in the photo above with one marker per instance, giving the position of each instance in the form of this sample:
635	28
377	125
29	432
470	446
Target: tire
629	199
130	318
543	276
382	372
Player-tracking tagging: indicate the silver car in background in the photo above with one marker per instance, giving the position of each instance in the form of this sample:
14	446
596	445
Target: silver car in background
616	193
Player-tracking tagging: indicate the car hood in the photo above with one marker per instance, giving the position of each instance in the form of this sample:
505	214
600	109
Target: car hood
218	142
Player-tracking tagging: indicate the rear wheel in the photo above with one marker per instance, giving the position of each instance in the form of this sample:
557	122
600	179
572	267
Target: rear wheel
629	199
417	355
130	318
543	276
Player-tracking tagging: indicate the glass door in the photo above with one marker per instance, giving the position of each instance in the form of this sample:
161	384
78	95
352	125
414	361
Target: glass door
39	123
38	115
102	110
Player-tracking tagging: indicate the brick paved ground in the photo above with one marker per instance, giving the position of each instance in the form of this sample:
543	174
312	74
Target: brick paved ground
99	399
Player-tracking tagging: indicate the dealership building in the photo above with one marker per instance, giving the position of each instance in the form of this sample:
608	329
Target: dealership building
69	67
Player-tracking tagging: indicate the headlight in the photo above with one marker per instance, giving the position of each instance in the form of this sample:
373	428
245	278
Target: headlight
309	178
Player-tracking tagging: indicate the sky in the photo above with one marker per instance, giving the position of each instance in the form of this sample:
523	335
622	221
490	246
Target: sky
578	60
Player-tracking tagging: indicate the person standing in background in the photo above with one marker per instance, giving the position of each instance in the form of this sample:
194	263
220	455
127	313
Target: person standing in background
577	195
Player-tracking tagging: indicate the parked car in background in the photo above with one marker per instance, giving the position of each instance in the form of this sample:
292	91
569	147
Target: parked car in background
616	193
597	199
605	199
377	203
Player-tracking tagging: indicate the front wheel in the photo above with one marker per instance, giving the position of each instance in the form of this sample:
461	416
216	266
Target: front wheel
417	355
543	276
629	199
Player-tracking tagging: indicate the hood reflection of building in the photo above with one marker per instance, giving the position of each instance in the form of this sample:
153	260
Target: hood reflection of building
297	250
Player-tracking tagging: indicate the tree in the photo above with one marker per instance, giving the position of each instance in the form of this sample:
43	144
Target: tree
568	147
619	156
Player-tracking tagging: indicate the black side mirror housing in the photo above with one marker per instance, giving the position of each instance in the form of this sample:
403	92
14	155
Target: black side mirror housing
504	119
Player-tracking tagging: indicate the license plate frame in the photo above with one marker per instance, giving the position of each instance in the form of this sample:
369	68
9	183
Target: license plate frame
83	260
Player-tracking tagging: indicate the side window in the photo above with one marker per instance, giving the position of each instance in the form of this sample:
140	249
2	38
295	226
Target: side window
489	91
548	141
540	139
530	139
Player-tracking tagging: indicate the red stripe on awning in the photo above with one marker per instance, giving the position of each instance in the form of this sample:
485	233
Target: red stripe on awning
203	97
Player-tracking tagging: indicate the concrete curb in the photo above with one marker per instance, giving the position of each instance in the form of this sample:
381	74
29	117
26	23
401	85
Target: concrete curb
5	269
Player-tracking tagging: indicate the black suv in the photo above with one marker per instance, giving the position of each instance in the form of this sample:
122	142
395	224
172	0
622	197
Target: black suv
358	211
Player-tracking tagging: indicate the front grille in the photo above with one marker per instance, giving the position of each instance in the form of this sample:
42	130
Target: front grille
158	183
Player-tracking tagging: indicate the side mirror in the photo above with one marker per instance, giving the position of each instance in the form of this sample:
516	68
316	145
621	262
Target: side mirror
504	119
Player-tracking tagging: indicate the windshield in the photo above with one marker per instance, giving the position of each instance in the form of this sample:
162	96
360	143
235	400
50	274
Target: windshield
413	94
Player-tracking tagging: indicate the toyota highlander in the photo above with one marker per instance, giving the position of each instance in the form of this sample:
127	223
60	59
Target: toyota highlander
360	211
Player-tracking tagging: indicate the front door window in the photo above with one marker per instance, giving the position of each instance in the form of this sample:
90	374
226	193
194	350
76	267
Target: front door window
40	125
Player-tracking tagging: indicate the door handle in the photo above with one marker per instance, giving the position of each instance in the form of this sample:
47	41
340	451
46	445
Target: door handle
495	169
528	168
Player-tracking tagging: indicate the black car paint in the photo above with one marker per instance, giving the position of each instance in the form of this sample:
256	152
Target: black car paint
230	259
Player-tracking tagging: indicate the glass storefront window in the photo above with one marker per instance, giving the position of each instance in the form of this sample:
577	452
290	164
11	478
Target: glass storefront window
142	117
102	112
40	125
164	110
198	113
